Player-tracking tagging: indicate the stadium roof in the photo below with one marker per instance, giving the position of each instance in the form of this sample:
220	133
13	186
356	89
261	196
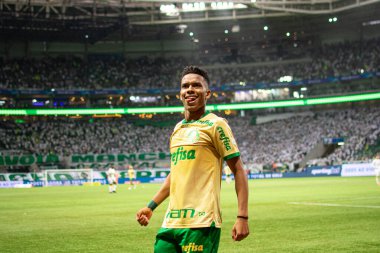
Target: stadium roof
162	11
75	20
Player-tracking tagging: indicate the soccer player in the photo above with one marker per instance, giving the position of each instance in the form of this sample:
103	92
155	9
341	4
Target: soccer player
227	172
376	166
132	176
198	146
112	179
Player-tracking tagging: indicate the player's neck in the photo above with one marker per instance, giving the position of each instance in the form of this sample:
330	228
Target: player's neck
195	115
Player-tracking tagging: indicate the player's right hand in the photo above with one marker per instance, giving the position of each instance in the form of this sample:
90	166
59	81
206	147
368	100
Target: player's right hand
143	216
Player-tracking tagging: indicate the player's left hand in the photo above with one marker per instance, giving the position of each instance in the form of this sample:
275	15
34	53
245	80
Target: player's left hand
240	230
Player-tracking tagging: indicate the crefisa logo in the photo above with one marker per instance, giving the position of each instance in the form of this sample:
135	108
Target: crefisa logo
224	138
182	154
192	247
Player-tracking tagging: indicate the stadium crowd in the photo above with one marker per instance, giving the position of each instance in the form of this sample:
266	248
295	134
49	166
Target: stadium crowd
289	140
284	141
66	137
341	59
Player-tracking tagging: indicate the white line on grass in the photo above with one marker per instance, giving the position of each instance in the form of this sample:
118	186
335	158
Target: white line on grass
329	204
373	197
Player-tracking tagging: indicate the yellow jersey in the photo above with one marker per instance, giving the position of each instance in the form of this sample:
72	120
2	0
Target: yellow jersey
131	173
197	151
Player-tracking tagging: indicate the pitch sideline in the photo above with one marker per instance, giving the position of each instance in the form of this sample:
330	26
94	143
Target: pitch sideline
331	205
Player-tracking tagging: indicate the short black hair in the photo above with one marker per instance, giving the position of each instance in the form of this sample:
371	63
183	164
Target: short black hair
195	70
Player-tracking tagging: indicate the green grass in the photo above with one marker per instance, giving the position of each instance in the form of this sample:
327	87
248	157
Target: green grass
89	219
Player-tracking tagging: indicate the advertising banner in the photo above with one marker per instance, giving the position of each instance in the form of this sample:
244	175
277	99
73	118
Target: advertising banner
78	178
357	170
265	175
315	171
10	184
92	161
324	170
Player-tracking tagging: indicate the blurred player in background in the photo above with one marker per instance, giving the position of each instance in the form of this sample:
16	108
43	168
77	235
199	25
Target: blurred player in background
376	166
227	172
198	146
132	176
112	177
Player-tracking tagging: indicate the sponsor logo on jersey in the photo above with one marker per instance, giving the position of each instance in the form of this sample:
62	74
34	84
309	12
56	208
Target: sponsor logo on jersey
202	122
225	140
184	213
192	247
182	154
181	213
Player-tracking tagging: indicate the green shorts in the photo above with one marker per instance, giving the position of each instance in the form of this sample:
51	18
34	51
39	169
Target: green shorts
176	240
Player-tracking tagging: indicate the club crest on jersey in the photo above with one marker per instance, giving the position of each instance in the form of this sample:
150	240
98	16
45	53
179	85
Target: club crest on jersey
193	135
224	138
182	154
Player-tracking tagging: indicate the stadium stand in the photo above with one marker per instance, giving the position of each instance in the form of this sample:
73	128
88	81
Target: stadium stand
333	60
337	66
284	141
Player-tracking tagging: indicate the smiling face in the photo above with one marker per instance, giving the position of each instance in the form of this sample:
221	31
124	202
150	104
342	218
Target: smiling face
194	94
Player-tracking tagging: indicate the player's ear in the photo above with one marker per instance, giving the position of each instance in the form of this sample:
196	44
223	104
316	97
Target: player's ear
208	94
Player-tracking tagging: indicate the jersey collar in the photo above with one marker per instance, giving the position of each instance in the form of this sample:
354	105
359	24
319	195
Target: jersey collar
191	121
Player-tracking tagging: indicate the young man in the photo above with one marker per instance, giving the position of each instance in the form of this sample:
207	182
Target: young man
112	178
198	146
376	166
132	176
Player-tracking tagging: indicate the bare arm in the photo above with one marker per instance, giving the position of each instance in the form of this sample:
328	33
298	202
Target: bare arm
240	229
144	214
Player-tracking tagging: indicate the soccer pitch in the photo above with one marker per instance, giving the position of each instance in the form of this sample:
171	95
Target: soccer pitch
286	215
